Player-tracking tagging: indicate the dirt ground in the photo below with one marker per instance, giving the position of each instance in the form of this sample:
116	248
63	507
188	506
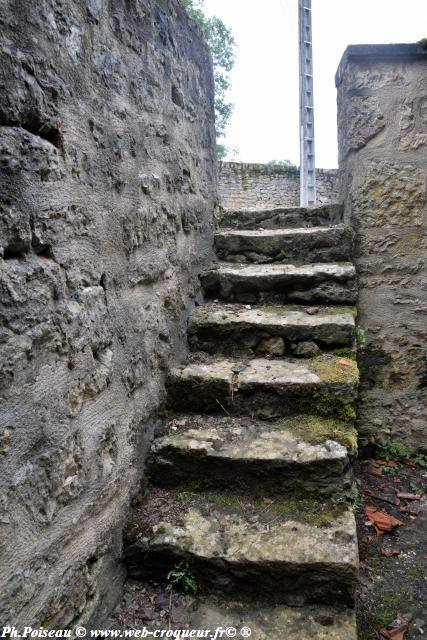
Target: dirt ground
151	605
392	589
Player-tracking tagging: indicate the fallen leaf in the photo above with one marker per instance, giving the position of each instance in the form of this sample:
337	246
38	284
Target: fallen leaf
390	554
412	509
396	633
311	310
385	463
381	520
147	615
178	423
375	472
408	496
344	362
408	462
367	539
368	492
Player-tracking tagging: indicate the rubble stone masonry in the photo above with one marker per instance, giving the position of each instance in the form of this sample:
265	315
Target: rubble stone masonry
262	186
382	132
107	196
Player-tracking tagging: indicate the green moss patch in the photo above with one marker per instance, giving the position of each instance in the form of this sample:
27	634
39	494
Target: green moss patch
315	429
327	404
329	369
294	307
311	511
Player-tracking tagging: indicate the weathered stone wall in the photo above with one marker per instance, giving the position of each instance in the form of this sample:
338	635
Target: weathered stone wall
107	192
259	186
382	131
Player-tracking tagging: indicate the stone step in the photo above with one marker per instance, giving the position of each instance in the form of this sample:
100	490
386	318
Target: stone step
316	244
286	551
274	622
324	283
304	453
281	217
266	388
273	330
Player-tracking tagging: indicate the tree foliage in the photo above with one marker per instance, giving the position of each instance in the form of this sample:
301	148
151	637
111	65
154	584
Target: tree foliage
282	165
222	46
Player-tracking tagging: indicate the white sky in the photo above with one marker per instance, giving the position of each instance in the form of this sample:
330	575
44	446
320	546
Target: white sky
265	78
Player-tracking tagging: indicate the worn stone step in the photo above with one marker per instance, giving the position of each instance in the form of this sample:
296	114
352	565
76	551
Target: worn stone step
281	217
304	453
288	551
274	330
266	388
316	244
277	622
324	283
210	614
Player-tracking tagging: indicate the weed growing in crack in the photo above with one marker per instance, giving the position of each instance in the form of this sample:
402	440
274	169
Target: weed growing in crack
182	577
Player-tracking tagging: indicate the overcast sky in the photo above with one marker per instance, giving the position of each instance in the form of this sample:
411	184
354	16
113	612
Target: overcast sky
265	78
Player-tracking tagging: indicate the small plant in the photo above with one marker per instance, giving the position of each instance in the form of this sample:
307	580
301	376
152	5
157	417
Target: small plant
393	451
415	488
181	577
421	460
360	338
282	165
383	618
352	498
391	471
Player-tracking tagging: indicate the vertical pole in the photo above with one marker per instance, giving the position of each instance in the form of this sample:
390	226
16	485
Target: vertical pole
306	106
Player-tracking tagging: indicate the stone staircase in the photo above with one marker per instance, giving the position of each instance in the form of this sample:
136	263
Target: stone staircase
250	475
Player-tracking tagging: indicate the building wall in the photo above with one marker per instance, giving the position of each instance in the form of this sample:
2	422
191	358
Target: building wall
382	132
107	196
260	186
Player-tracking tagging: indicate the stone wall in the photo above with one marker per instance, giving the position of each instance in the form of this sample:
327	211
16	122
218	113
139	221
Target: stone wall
107	193
382	131
259	186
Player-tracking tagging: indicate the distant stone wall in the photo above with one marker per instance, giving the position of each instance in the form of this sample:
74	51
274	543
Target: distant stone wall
259	186
382	132
107	194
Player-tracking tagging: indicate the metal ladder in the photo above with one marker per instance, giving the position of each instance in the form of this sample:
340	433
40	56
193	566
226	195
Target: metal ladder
307	159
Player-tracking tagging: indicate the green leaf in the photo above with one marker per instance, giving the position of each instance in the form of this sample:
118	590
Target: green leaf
222	46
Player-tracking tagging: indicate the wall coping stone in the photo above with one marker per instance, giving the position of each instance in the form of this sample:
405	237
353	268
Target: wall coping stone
378	52
260	168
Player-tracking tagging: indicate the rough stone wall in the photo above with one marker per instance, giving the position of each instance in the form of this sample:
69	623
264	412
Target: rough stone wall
382	131
259	186
107	194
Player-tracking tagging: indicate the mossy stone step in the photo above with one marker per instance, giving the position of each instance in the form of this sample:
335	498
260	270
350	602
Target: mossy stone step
316	244
323	283
245	454
286	552
281	217
267	388
221	327
274	622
